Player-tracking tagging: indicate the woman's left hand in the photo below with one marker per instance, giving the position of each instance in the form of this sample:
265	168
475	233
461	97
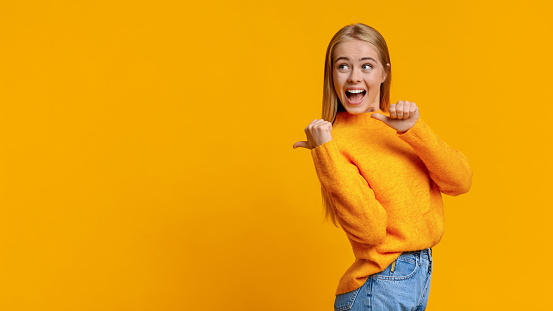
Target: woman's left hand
403	116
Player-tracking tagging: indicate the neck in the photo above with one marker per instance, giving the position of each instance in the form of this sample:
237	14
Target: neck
346	118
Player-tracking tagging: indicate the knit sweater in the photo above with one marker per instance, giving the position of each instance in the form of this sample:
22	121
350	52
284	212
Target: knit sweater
385	189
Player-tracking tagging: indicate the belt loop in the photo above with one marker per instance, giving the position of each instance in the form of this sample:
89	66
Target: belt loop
430	254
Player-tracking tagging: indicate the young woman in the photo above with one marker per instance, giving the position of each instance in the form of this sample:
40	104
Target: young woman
382	172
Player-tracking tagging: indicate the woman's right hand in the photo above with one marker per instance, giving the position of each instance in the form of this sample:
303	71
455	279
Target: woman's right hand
317	132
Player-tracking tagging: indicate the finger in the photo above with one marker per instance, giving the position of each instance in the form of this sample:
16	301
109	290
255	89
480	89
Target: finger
327	126
399	109
381	117
301	144
314	124
321	125
406	110
307	127
413	110
392	111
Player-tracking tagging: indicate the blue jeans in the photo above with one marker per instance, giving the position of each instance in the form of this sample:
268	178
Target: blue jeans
403	285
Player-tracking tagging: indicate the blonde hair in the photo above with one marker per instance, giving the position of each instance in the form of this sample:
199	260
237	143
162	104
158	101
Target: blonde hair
331	102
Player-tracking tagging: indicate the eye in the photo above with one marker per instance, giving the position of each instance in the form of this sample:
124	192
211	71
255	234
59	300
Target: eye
343	67
366	67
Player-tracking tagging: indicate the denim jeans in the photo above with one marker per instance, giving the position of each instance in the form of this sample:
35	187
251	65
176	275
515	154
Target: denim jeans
403	285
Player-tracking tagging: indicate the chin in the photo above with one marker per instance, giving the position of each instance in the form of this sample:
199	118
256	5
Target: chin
357	109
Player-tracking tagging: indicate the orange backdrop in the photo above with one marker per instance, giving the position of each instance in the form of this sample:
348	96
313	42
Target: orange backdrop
146	157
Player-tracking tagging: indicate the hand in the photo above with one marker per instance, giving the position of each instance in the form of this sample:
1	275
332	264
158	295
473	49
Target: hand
317	132
403	116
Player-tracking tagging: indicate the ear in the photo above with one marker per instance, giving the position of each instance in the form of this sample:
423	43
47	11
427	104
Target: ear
384	73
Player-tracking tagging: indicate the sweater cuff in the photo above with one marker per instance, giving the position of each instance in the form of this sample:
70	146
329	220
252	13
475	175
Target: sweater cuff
325	153
418	134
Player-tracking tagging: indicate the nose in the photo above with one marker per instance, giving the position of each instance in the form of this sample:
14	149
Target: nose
354	76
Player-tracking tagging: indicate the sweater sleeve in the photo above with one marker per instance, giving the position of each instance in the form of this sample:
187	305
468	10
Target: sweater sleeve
358	212
448	168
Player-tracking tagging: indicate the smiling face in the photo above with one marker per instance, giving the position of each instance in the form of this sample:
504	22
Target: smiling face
357	74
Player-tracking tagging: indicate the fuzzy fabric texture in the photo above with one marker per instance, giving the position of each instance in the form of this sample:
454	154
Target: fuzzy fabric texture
385	189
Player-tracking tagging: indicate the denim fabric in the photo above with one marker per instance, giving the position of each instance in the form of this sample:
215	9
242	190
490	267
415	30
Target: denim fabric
406	288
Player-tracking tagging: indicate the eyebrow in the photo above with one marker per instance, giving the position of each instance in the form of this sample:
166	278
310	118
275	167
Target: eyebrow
361	59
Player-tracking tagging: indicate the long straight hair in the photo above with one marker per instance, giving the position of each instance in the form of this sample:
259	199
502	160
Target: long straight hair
331	102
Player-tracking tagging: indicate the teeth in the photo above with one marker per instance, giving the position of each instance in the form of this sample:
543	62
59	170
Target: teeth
355	91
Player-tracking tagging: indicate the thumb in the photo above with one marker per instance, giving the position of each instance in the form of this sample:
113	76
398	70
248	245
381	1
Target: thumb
302	144
381	117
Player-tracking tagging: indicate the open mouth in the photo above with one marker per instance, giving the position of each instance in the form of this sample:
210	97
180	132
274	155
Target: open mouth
355	96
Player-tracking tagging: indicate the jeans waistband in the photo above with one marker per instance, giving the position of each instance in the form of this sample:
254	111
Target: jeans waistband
422	252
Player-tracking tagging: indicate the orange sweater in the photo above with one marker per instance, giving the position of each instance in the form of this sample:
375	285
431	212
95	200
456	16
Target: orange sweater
385	189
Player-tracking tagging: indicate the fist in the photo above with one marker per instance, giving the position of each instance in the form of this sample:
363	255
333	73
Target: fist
403	116
317	132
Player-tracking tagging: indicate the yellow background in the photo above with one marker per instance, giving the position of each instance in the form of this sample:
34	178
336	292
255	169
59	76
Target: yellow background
147	161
